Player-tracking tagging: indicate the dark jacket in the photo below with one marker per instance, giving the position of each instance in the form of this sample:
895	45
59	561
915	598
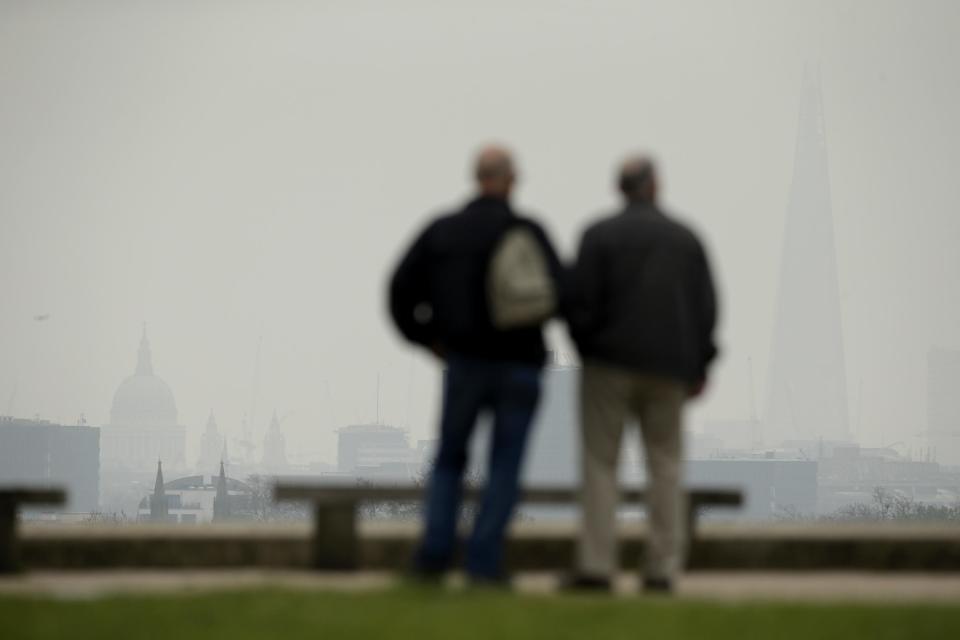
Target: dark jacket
642	296
438	295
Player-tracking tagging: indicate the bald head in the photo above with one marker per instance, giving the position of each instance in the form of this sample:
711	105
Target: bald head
494	171
638	180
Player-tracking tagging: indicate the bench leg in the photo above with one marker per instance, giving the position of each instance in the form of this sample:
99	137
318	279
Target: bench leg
691	527
9	553
693	510
335	544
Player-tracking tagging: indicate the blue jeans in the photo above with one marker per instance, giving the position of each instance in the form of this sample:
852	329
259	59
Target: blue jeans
510	391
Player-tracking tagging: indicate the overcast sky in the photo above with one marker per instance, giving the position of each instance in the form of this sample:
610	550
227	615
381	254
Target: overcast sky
225	171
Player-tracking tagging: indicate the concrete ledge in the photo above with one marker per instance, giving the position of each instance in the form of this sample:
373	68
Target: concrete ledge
878	547
83	547
533	547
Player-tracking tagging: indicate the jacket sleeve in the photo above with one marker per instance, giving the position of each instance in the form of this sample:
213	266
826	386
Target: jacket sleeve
409	294
706	313
586	291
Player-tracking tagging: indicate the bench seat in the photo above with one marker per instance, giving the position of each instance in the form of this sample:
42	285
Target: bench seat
335	507
11	499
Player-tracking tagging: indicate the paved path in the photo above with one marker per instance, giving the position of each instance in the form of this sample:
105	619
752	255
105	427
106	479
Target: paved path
720	586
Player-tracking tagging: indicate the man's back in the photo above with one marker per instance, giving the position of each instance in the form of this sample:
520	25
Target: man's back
642	312
446	270
643	295
439	299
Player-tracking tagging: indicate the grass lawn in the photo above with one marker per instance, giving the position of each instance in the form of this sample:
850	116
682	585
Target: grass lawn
422	615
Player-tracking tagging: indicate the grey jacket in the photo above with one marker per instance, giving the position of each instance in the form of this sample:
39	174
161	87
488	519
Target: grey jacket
642	296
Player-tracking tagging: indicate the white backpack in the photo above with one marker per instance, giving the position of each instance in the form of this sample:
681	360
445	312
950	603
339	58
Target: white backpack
520	289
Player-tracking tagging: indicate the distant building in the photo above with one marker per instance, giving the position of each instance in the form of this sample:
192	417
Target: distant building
198	499
40	453
813	449
943	405
376	450
734	433
851	474
212	446
703	445
807	396
554	445
143	422
274	448
771	487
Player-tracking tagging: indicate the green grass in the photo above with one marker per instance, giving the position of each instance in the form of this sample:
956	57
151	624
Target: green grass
423	615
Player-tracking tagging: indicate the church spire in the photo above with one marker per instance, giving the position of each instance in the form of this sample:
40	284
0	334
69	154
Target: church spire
221	501
274	422
211	424
158	501
158	483
144	358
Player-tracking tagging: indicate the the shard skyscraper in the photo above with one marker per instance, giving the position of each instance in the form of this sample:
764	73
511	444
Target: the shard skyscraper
806	396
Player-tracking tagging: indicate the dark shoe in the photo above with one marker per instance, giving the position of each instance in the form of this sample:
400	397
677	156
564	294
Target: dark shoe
660	586
583	583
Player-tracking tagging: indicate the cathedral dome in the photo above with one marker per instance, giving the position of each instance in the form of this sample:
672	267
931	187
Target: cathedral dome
143	399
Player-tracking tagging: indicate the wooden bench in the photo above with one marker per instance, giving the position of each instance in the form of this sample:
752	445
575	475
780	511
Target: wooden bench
335	507
10	500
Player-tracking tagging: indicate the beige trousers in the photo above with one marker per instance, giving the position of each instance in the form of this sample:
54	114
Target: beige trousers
608	397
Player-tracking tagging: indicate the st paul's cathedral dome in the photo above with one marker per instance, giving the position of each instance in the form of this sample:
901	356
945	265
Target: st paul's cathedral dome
143	399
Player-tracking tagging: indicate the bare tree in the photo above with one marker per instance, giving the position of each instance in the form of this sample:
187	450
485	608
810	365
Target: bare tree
889	505
263	508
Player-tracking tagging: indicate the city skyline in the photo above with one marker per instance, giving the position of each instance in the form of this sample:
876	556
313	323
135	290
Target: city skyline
231	194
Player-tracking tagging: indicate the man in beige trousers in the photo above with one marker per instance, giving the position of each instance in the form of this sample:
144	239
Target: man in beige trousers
642	313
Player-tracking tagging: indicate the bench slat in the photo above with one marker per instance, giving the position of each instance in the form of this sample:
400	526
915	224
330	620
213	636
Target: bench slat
537	495
30	495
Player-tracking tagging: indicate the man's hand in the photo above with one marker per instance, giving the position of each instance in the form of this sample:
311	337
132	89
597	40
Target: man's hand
697	388
437	349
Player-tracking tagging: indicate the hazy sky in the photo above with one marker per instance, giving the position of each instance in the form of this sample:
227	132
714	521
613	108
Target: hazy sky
229	170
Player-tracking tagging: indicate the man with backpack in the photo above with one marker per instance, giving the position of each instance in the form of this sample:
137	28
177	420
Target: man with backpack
642	313
475	288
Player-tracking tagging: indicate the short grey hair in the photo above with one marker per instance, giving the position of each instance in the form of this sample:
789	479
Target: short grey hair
636	174
492	162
